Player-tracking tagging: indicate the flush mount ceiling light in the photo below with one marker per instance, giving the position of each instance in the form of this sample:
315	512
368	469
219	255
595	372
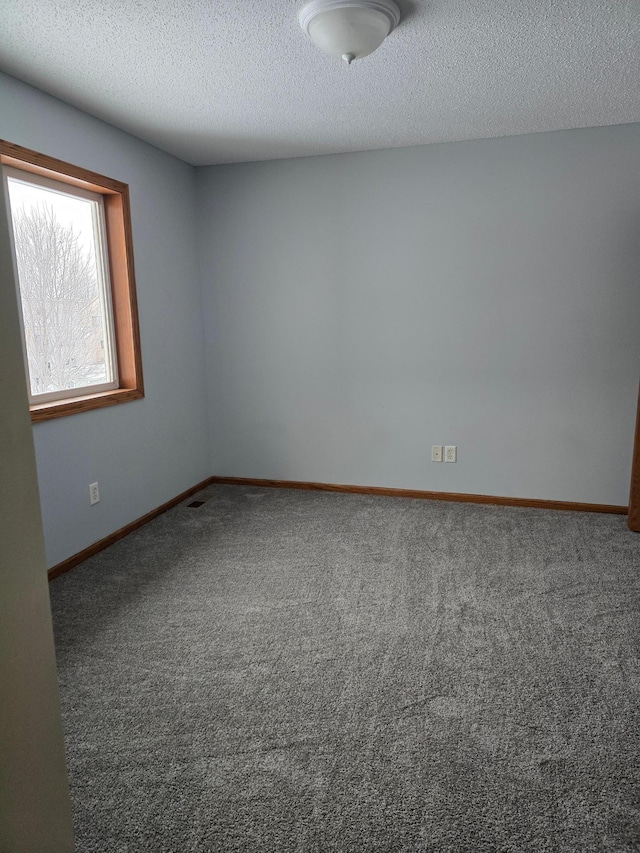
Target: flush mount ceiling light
349	29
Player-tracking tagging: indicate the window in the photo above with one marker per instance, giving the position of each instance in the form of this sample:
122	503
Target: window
74	262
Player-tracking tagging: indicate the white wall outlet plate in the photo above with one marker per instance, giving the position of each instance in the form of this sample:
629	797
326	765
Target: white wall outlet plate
94	494
450	453
436	453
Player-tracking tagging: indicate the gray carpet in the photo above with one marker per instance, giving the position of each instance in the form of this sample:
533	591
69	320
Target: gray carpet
297	671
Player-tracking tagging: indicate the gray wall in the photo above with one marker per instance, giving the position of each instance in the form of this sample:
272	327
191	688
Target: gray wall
145	452
361	307
357	309
35	811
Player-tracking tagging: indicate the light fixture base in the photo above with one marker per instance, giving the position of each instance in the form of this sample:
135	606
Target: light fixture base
349	28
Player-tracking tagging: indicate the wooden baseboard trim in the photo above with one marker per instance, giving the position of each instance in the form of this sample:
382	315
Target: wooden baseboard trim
81	556
423	495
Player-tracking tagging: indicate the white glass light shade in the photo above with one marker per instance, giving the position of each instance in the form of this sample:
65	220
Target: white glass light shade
349	29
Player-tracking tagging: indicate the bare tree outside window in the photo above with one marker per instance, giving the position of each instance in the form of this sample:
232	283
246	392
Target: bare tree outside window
65	327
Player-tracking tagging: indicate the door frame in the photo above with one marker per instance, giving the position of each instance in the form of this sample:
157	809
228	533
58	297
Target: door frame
634	495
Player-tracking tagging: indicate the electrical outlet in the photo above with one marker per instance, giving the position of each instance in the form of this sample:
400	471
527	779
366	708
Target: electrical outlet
94	494
436	453
450	453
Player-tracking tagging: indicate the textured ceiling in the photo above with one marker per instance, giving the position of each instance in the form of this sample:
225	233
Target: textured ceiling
218	81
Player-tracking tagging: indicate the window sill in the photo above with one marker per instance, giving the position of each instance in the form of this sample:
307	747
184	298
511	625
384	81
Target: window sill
75	405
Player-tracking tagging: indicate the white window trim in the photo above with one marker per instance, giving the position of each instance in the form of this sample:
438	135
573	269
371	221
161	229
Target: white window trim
104	284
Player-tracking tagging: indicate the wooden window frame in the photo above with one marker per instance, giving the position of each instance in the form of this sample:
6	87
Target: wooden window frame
123	287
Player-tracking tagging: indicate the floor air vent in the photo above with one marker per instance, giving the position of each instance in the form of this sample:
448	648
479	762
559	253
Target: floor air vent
195	504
